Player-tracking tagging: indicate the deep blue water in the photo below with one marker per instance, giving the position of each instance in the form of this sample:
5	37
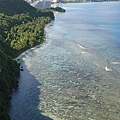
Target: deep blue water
75	74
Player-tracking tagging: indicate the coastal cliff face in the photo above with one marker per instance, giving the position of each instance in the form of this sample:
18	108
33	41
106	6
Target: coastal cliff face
21	27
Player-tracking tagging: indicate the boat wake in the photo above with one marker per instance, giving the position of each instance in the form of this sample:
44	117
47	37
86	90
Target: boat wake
107	69
81	46
83	49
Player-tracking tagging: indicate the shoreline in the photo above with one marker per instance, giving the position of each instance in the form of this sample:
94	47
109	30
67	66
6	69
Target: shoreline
33	48
19	57
28	50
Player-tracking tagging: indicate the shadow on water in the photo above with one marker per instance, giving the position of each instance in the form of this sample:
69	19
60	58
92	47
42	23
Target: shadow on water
25	99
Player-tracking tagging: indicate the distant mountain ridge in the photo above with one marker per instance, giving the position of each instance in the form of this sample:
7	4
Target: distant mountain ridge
12	7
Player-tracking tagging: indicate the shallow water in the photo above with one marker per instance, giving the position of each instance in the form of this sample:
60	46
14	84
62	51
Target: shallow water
77	70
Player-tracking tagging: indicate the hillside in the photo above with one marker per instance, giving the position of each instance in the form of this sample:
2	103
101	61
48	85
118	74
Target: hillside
21	27
12	7
9	71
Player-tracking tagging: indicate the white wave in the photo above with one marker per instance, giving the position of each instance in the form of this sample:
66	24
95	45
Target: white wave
116	63
83	52
107	69
81	46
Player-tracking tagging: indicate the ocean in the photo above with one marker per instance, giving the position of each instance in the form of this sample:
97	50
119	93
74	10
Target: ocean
75	73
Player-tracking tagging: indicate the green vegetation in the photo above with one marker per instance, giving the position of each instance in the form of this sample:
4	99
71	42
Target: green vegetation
9	71
59	9
21	27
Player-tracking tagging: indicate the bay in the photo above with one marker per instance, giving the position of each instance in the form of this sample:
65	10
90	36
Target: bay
75	74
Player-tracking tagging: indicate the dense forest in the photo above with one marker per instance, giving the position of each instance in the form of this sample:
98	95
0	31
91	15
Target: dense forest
21	27
59	9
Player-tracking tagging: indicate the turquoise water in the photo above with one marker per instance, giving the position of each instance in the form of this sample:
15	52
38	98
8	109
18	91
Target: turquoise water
75	74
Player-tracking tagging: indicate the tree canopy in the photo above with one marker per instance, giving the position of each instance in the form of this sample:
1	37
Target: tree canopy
21	27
